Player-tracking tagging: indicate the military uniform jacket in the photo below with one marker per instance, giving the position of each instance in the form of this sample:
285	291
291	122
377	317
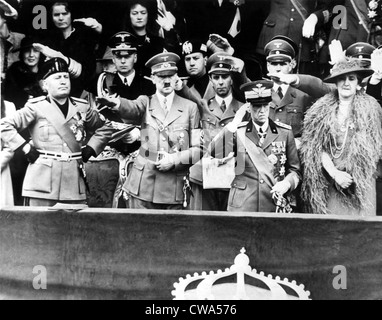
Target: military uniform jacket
285	20
249	192
177	133
214	120
291	109
48	178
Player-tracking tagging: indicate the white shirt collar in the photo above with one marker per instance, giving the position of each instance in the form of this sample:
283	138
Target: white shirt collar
169	99
228	100
265	127
284	88
130	78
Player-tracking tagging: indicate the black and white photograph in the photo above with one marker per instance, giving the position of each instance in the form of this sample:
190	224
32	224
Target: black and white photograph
176	151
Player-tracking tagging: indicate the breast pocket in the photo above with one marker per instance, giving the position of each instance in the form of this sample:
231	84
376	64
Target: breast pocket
180	136
295	117
45	131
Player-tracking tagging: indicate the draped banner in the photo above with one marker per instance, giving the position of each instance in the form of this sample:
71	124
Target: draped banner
104	254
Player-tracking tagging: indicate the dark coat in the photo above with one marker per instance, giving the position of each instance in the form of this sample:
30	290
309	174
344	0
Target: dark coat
80	46
21	85
285	20
355	31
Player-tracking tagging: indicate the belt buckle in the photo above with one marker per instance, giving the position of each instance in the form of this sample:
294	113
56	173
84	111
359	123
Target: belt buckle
65	157
161	127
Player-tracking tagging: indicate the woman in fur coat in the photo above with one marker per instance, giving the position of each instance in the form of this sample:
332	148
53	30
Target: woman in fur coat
341	146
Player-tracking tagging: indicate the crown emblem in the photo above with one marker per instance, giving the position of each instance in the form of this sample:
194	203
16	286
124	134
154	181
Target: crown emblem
209	289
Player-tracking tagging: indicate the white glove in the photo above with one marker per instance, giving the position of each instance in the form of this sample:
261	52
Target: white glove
281	187
217	43
237	64
133	136
309	27
376	66
337	53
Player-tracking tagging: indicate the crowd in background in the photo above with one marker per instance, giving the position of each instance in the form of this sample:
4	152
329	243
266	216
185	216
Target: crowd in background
243	28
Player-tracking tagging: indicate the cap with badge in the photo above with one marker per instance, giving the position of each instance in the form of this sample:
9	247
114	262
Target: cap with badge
190	47
163	64
361	51
53	66
220	63
123	41
281	49
258	92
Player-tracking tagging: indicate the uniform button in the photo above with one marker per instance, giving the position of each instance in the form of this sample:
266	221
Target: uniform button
163	139
281	110
223	124
65	145
291	19
161	149
261	181
293	10
295	111
277	120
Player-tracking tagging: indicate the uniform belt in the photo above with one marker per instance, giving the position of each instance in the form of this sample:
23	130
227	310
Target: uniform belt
64	157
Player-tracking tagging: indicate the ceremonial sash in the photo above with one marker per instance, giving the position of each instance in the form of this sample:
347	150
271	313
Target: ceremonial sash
258	157
362	19
56	119
300	9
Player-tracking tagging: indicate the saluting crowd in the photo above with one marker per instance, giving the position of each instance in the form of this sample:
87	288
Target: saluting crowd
250	106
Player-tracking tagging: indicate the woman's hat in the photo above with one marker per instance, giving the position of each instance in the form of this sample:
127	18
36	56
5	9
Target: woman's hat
350	65
26	43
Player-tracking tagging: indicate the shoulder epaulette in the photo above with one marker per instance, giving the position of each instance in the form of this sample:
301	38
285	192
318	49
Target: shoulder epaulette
283	125
79	100
37	99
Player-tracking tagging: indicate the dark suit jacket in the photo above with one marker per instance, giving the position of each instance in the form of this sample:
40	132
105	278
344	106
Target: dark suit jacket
178	133
249	192
291	109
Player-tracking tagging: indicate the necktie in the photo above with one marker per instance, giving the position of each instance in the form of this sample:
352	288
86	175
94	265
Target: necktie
223	107
165	106
280	93
125	82
262	137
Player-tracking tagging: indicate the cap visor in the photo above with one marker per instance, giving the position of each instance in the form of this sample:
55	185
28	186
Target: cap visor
166	73
219	71
260	101
279	59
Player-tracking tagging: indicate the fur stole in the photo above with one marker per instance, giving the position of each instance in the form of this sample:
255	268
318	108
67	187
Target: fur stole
363	150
